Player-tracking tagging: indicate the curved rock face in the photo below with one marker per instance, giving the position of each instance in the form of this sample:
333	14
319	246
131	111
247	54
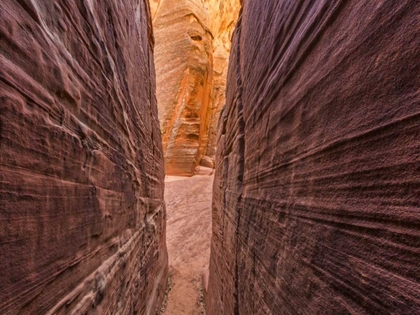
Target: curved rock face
316	205
192	48
82	220
154	6
224	14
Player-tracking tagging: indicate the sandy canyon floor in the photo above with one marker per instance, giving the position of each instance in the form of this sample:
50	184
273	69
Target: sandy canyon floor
188	202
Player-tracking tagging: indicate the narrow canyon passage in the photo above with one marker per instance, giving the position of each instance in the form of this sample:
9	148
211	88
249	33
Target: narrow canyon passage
188	204
307	113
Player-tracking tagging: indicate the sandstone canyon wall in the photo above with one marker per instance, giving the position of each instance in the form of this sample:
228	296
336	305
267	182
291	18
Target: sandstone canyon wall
192	49
316	206
82	219
223	16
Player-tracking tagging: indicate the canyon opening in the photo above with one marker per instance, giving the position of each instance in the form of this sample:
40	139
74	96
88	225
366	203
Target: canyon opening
219	157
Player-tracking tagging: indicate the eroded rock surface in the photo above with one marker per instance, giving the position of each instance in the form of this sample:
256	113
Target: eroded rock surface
223	16
316	205
192	49
82	220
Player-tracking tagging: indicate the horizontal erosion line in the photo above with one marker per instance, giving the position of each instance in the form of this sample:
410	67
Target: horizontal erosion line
413	119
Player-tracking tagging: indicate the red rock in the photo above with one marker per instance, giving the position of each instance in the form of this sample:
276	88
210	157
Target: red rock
316	205
82	219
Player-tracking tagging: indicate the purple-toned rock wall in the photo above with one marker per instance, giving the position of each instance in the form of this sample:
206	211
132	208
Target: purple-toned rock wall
82	219
316	205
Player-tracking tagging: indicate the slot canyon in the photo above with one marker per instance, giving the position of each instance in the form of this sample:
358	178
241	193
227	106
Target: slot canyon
219	157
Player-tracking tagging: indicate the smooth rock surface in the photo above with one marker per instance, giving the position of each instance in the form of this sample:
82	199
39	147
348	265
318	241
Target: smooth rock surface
207	161
190	81
154	6
316	205
82	219
202	170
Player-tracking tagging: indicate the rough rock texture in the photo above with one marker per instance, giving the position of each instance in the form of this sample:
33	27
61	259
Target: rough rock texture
82	219
190	82
316	205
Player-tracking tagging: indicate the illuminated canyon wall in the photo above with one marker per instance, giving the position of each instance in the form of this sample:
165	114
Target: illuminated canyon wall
191	53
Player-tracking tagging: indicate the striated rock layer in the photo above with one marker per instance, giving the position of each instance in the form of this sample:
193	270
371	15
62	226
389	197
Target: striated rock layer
184	81
316	205
223	16
192	49
82	219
